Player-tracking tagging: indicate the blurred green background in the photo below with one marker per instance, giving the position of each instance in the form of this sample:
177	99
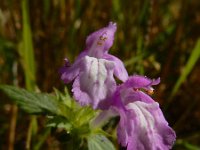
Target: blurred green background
154	38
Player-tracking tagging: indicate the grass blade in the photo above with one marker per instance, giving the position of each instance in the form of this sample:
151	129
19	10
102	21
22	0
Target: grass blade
27	52
188	68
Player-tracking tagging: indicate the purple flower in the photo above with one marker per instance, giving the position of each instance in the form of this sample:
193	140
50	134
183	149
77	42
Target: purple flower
142	124
93	70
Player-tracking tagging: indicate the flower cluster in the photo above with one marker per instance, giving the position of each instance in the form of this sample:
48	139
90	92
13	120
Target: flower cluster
142	125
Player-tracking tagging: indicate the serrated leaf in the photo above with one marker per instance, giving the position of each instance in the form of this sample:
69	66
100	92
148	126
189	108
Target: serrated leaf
35	103
84	115
99	142
64	97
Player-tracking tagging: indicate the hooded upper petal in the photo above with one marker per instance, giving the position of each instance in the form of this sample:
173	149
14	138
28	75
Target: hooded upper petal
99	42
144	128
134	88
137	82
95	82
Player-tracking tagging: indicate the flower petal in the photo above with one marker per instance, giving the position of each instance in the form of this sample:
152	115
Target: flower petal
119	71
70	72
100	41
137	82
122	129
149	129
95	82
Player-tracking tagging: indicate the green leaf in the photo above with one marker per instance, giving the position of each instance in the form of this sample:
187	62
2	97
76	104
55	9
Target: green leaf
83	115
35	103
99	142
64	97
